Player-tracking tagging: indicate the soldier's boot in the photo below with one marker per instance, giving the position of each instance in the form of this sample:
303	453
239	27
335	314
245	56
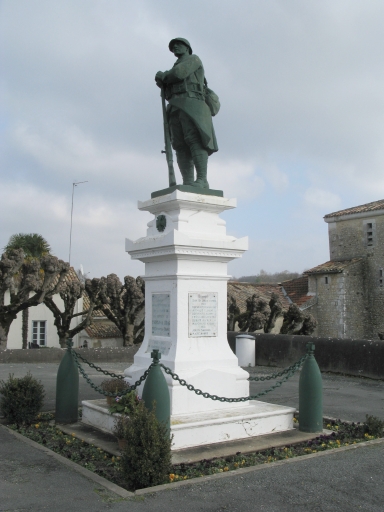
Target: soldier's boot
185	163
200	159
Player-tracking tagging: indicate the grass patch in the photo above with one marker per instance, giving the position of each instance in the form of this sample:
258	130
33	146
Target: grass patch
110	467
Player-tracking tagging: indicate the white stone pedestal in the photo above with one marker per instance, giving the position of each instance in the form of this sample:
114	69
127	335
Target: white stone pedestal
186	319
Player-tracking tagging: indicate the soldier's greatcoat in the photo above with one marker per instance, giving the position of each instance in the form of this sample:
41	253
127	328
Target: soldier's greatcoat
185	91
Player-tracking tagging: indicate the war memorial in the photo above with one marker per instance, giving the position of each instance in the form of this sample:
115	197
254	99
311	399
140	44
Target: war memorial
186	251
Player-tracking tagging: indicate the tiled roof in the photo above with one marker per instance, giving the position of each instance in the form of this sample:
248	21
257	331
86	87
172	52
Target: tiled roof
241	292
297	290
332	267
369	207
103	330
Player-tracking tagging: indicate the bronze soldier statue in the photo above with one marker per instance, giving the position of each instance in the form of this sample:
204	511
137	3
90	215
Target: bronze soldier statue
189	116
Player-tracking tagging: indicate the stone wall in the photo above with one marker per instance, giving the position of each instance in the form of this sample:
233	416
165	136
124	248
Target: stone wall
363	358
362	236
340	308
54	355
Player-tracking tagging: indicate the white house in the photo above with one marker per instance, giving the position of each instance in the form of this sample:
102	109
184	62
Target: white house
41	328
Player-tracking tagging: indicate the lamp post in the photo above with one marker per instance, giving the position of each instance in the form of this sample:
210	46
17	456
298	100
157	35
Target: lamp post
74	184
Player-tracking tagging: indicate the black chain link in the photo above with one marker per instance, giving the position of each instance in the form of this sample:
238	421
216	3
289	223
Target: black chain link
97	368
100	390
289	372
273	376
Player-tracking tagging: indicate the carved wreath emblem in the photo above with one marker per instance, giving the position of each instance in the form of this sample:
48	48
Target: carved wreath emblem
161	222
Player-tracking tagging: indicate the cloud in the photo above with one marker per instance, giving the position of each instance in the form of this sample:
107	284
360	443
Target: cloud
301	127
322	199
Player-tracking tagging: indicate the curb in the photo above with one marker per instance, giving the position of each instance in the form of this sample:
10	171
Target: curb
167	487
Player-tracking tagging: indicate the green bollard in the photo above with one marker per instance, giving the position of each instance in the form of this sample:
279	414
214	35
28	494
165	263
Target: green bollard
310	394
67	389
156	389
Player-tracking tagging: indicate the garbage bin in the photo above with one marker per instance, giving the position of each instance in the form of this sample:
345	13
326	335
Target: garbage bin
246	350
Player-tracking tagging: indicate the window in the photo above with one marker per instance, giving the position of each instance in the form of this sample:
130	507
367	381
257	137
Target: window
326	279
39	332
370	232
381	277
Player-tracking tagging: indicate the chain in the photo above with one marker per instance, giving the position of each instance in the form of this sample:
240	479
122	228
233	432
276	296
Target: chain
107	393
97	368
273	376
289	372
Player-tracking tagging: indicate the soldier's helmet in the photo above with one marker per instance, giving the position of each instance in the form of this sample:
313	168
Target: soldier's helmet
182	40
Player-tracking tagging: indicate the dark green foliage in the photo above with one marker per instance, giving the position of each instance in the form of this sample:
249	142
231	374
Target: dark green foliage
125	404
33	244
22	398
146	458
114	386
374	426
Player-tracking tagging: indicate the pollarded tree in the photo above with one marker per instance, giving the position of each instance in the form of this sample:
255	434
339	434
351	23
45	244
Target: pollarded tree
29	282
298	322
34	246
71	291
276	308
232	312
124	305
256	316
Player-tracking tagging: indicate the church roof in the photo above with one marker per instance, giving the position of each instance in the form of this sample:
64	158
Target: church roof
369	207
332	267
297	290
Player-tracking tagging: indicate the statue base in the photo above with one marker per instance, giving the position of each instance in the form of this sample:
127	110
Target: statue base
188	188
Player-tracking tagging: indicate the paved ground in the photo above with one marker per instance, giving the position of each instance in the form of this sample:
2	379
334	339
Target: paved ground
31	480
348	480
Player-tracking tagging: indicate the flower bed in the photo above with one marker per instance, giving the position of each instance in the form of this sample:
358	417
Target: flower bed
109	467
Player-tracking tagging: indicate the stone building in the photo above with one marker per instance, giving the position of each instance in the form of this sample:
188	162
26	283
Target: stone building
346	294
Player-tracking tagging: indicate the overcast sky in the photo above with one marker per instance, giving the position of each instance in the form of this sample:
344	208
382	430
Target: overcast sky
300	130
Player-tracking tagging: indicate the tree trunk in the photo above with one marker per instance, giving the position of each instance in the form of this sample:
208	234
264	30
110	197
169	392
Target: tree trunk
4	330
24	327
63	341
128	338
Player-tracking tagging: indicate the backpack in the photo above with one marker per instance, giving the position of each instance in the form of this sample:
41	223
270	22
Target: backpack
211	99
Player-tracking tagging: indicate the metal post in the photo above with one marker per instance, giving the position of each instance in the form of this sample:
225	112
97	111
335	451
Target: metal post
310	394
67	388
156	390
74	184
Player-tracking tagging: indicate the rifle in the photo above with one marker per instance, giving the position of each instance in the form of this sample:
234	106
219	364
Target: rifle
167	141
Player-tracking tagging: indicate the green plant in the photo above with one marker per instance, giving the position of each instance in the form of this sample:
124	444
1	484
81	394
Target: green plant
146	458
373	426
124	404
22	398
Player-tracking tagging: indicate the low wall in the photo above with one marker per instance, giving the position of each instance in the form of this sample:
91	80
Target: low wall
353	357
54	355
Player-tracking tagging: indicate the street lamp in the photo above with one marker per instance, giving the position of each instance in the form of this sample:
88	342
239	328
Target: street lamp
74	184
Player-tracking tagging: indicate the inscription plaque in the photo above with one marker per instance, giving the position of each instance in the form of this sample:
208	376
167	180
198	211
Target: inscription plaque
161	314
202	314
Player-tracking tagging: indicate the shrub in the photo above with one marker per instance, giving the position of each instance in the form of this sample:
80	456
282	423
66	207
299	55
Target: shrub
373	426
22	398
146	458
114	385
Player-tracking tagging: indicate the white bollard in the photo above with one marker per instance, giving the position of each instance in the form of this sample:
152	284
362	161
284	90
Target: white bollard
246	350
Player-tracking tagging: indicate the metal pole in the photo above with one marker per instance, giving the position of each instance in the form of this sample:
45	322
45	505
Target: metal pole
74	184
310	394
156	390
67	388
